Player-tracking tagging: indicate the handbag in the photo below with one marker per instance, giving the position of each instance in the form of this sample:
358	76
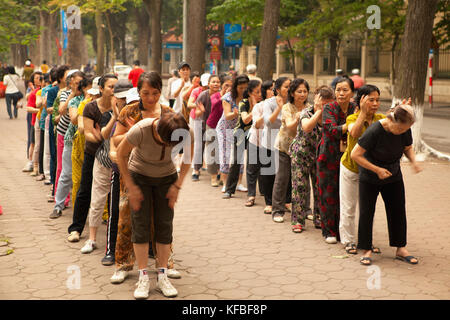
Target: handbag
19	94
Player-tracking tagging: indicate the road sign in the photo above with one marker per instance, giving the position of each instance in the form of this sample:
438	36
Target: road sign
228	32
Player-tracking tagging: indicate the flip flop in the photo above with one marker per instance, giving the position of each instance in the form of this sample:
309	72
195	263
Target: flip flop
250	202
363	259
351	248
376	250
407	259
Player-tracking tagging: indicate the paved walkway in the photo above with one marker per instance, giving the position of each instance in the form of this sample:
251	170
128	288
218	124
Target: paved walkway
223	249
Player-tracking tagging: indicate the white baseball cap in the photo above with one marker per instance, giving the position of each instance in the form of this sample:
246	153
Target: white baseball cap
95	90
132	95
28	63
204	79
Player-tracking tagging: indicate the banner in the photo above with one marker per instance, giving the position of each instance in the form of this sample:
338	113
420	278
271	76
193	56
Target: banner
64	28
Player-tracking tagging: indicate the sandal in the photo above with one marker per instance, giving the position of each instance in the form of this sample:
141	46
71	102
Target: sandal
278	217
297	228
376	250
268	210
250	202
351	248
365	261
407	259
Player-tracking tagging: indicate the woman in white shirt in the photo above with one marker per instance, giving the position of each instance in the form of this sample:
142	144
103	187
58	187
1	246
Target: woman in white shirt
12	93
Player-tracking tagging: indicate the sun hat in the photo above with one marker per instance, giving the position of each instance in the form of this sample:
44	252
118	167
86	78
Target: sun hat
132	95
121	88
95	90
204	79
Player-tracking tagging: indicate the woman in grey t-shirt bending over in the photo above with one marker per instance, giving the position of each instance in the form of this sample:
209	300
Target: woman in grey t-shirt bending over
153	184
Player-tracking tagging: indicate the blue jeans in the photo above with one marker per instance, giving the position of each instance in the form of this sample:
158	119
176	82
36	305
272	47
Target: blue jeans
14	98
65	179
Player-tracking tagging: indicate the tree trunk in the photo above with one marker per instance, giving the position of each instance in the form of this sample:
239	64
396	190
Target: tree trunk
74	47
392	73
143	34
100	43
45	38
292	55
268	39
196	35
154	11
111	42
123	48
333	56
414	57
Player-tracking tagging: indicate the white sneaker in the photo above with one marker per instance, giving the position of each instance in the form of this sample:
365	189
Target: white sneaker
166	287
223	189
331	240
173	274
143	287
74	236
241	188
119	276
28	167
89	246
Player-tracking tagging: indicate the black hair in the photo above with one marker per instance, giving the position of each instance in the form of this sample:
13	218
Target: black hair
294	85
176	73
348	80
47	78
364	91
61	71
266	85
105	78
212	77
240	79
225	77
152	78
33	74
194	74
168	123
136	63
85	82
44	62
53	74
278	84
252	85
74	74
11	70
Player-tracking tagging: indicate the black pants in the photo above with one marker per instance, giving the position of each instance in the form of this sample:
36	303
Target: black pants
83	200
267	174
113	217
253	169
394	201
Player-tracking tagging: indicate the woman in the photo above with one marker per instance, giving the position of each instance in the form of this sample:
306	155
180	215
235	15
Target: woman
140	105
12	92
251	96
211	144
290	118
65	178
96	115
153	185
202	114
227	122
303	152
378	153
254	147
101	182
368	101
331	147
91	92
272	124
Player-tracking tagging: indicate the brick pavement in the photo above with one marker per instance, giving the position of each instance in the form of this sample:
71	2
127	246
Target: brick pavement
223	249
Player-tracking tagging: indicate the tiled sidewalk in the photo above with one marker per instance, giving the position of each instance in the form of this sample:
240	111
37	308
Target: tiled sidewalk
223	249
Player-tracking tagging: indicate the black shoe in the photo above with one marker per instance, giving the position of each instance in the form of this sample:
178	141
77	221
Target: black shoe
195	177
55	214
108	260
